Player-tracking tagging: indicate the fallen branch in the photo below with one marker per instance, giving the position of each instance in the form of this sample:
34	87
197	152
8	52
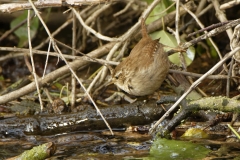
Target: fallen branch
13	7
138	113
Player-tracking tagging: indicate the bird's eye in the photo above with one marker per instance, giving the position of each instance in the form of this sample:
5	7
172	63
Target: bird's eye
118	75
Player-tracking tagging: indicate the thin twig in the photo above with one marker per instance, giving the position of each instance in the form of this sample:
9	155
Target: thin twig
97	34
165	10
55	54
74	41
221	16
208	27
122	51
206	9
229	4
88	58
229	78
124	9
13	7
92	16
200	75
32	61
46	62
59	29
177	23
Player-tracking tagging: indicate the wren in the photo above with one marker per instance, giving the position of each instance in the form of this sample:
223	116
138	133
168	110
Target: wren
144	70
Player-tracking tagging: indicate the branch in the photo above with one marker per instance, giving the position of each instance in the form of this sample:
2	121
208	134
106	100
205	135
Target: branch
13	7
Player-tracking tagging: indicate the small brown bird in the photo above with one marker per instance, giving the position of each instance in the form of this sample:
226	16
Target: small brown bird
144	70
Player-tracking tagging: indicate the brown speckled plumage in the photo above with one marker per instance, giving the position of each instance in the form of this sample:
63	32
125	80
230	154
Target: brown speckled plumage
144	70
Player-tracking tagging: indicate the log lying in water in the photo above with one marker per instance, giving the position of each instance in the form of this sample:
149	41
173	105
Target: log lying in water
138	113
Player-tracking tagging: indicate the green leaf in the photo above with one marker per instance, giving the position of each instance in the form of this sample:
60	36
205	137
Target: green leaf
21	32
171	149
155	14
213	51
1	78
169	40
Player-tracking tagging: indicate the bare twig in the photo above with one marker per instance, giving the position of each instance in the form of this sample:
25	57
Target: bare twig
221	16
46	62
32	61
13	7
177	23
200	75
94	81
208	28
97	34
124	9
65	24
74	41
165	10
55	54
206	9
229	4
229	78
91	19
122	51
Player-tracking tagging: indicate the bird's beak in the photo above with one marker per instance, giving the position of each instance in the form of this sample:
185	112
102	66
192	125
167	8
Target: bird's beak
110	82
